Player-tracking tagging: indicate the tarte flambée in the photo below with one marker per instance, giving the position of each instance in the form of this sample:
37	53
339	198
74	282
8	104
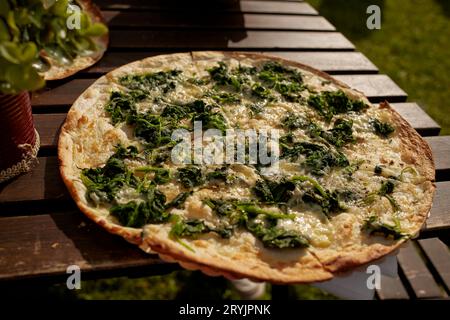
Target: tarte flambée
354	180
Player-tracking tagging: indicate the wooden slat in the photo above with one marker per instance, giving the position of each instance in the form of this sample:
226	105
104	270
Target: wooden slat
45	245
48	124
264	40
439	255
440	212
276	7
139	19
42	183
417	273
440	146
418	118
378	86
392	289
332	62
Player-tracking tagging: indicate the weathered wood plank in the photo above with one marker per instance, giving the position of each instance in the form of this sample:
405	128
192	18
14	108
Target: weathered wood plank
418	118
440	212
48	124
439	255
376	87
331	62
45	245
334	62
202	39
142	19
392	289
440	146
417	273
276	7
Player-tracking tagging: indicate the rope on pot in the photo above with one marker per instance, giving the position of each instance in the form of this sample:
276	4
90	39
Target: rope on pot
25	165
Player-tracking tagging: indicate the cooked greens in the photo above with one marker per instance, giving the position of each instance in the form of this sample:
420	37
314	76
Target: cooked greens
383	129
374	226
328	104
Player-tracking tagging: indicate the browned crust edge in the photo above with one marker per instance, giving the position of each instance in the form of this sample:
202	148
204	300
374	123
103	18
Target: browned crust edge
411	141
60	72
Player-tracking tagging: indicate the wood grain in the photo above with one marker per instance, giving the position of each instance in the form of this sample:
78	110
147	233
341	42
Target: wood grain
440	212
418	118
392	289
333	62
218	20
224	40
378	87
45	245
439	255
275	7
417	273
440	146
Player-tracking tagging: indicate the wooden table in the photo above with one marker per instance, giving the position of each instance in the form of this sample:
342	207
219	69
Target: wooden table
41	230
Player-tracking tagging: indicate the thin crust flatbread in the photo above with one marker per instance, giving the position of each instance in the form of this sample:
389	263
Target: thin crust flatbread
57	71
88	138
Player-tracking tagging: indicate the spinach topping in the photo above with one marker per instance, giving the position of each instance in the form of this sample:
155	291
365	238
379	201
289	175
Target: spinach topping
194	227
330	103
120	104
190	176
222	76
274	192
386	189
135	215
374	226
164	80
220	174
383	129
273	237
378	169
318	159
264	228
224	97
328	200
103	183
287	81
293	121
179	200
259	91
340	134
162	175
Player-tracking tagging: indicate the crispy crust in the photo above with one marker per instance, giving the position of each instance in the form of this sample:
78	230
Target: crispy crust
60	72
314	265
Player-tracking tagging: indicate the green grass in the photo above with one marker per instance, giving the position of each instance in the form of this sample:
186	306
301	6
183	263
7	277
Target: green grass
412	47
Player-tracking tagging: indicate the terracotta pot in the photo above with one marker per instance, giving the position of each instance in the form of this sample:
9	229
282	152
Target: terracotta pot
19	141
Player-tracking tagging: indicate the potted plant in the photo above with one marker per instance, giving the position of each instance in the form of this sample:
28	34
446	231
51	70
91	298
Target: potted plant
39	40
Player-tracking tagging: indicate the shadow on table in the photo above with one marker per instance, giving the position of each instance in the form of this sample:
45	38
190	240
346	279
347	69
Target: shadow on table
349	16
216	23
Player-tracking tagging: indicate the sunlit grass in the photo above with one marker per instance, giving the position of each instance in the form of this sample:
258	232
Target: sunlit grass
412	47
